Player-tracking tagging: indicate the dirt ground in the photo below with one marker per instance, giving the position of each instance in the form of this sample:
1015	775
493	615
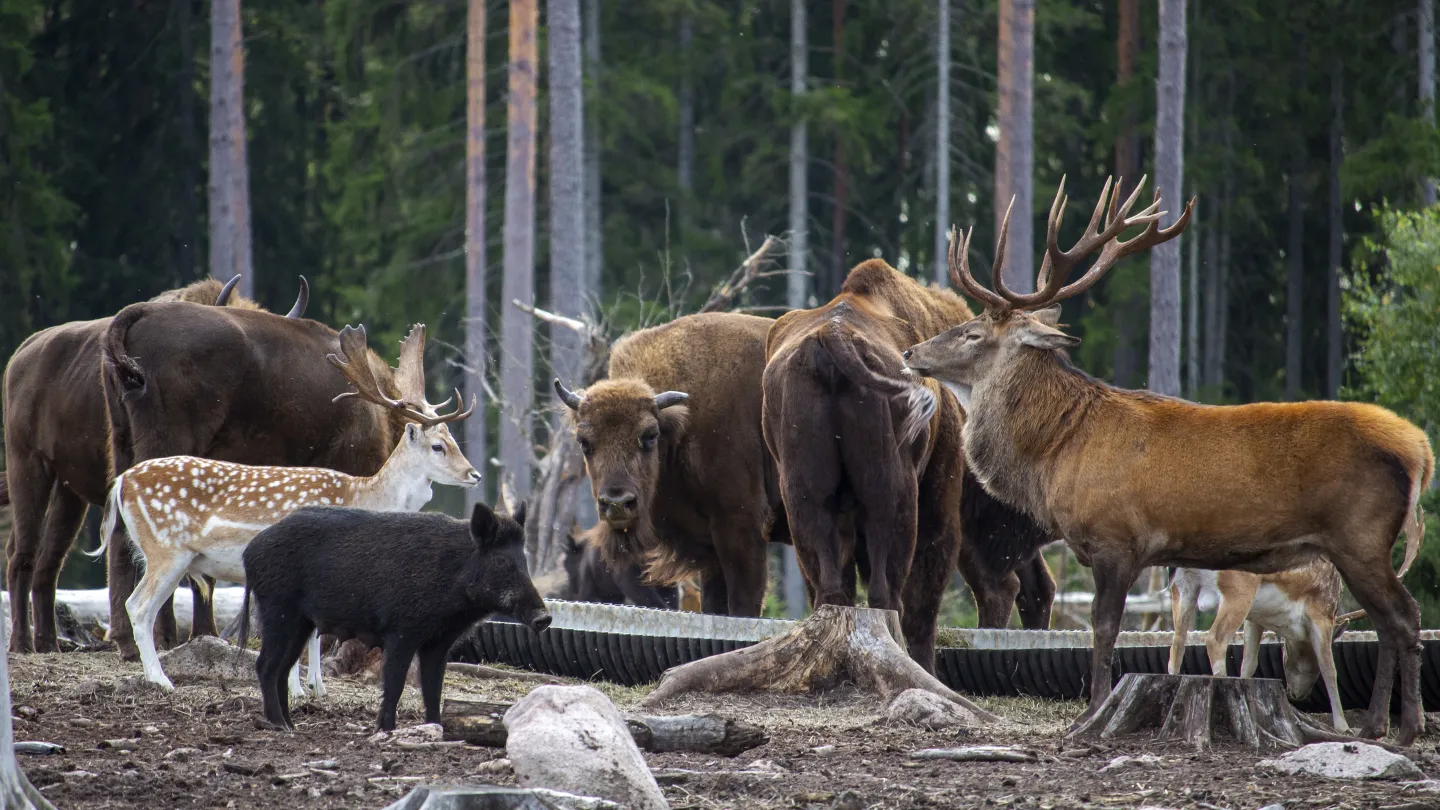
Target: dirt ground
201	747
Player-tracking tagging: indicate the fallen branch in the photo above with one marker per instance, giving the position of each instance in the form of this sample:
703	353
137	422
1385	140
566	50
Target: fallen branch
979	753
483	723
491	673
551	318
749	270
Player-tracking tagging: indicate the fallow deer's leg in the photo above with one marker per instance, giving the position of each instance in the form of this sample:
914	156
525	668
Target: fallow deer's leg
1183	598
1320	632
1250	656
1236	596
314	682
163	571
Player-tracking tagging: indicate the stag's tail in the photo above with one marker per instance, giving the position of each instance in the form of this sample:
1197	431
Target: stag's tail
1414	515
130	376
919	402
4	489
112	512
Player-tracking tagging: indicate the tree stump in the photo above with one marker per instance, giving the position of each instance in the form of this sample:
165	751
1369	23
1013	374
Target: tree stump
833	646
1254	712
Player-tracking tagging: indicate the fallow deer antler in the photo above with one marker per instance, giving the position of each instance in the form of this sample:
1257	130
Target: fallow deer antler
356	369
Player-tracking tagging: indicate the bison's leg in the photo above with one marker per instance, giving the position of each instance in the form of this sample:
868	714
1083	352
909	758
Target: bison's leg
202	622
1037	593
740	547
714	596
937	546
1114	574
62	521
995	593
809	469
30	486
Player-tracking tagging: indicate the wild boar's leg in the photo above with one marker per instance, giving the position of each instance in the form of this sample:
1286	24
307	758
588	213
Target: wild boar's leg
62	521
432	677
399	652
1114	574
30	487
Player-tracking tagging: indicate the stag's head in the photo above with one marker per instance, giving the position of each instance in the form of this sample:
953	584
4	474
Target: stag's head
1013	324
426	444
622	427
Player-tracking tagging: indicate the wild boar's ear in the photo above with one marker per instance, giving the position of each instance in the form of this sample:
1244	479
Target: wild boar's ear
483	525
571	399
669	398
301	301
224	297
519	514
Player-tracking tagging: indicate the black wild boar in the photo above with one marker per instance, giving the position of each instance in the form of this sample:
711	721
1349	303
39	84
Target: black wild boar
409	583
592	580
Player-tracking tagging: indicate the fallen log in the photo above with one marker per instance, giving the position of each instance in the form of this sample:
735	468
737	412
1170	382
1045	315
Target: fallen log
483	723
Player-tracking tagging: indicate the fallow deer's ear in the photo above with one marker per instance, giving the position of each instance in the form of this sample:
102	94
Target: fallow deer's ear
412	431
1042	336
1050	316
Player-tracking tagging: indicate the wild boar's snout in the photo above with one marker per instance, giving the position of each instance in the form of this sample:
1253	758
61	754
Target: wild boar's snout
540	621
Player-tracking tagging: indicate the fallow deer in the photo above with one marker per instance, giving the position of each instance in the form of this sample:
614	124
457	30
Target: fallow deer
1133	479
193	517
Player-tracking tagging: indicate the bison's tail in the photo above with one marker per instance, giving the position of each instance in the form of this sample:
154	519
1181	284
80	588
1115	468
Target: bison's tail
127	369
4	489
919	402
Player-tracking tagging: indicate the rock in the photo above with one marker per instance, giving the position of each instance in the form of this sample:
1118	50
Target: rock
1339	760
927	710
1427	785
497	798
572	738
823	750
39	748
849	799
182	754
209	657
424	733
1126	762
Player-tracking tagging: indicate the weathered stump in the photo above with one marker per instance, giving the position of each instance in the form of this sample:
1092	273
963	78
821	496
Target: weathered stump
834	645
1254	712
482	723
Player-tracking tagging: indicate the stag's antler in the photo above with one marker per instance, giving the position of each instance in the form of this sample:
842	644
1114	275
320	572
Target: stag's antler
1058	264
356	369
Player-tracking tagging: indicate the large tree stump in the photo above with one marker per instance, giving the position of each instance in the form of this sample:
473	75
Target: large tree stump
1254	712
482	723
834	645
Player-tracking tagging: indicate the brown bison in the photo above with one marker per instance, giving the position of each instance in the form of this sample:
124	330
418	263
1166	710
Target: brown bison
56	454
858	442
685	484
240	386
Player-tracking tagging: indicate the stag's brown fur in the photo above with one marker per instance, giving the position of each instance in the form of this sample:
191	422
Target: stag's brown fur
1132	479
836	416
56	456
239	386
706	501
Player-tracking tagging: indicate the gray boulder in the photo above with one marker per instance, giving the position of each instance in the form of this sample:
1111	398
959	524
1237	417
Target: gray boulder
486	797
1341	760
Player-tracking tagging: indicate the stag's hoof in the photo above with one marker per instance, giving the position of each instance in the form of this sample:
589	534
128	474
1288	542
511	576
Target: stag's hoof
1371	730
128	650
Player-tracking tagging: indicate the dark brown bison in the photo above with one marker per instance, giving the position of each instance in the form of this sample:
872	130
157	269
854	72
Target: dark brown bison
240	386
857	441
591	579
684	483
57	454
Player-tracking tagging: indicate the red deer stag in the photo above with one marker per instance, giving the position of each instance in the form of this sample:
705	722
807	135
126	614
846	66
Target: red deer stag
57	457
857	443
245	387
1132	479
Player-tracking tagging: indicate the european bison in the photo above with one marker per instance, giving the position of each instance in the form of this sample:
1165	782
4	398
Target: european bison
410	583
57	457
856	440
239	386
684	483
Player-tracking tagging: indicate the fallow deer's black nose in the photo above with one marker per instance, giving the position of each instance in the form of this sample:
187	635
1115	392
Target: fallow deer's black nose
618	498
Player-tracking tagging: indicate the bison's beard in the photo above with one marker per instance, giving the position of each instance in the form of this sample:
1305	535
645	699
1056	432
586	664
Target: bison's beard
664	562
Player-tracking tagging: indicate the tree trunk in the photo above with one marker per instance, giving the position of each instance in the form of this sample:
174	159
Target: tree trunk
1169	180
518	341
1426	15
841	178
187	174
1295	243
229	180
1211	234
942	144
483	723
594	238
567	188
1127	143
1192	305
685	171
1015	147
1334	332
476	449
799	158
15	790
1227	194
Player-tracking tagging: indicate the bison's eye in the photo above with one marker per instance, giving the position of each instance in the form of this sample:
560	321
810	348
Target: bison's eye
647	440
585	446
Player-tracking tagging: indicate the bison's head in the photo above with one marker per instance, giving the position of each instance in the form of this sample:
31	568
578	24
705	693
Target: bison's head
624	428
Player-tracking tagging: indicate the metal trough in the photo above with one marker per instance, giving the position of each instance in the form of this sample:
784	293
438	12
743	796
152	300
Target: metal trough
631	646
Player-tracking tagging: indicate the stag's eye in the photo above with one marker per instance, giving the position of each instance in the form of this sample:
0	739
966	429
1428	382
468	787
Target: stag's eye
647	440
970	337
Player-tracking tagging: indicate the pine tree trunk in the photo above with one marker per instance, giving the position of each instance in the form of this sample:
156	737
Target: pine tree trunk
229	182
1192	301
1227	195
841	179
1169	179
799	159
594	238
1210	232
1295	243
1127	143
567	188
942	144
187	174
685	170
476	449
518	341
1334	332
1426	16
1014	150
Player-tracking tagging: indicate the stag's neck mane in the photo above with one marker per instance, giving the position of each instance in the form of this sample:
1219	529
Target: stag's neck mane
1017	425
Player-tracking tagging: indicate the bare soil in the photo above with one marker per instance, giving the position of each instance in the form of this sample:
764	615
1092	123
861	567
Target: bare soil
125	747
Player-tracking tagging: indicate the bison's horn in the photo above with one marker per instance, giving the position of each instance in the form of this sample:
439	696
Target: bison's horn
301	301
567	396
224	297
665	400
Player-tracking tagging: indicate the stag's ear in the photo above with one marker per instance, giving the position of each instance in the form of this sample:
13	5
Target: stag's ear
483	525
1050	316
1042	336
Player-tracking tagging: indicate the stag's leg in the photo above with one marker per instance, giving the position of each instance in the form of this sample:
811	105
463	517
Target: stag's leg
1037	593
202	621
163	571
1397	623
1113	577
30	487
62	521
